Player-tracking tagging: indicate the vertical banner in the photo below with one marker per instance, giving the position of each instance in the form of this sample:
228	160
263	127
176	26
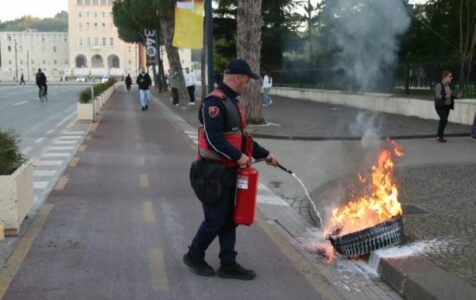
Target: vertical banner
151	46
188	31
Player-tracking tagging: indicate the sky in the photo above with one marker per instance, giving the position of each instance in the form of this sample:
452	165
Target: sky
13	9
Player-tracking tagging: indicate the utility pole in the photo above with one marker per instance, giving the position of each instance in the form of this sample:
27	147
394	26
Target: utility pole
28	64
209	33
16	61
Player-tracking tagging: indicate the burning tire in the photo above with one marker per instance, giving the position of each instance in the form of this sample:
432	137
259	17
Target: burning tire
362	242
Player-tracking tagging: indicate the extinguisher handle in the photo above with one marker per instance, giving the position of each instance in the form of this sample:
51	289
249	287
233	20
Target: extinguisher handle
284	169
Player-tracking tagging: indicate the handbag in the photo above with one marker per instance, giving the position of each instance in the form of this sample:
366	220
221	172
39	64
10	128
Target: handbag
206	180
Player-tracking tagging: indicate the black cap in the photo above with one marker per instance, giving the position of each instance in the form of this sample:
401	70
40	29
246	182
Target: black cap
239	66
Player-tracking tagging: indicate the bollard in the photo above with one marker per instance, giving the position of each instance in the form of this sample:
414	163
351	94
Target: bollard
2	232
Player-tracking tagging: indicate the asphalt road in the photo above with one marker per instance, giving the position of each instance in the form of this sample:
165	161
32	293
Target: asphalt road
37	123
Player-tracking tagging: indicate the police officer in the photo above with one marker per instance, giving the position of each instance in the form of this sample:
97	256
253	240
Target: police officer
222	139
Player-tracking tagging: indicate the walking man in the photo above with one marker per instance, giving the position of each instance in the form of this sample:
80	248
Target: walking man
223	148
144	81
22	79
174	86
128	82
190	81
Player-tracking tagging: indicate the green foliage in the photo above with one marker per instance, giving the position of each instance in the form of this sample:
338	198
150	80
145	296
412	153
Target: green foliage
10	156
58	23
98	89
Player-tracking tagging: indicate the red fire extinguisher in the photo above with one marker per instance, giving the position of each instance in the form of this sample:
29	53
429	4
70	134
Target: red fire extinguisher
246	191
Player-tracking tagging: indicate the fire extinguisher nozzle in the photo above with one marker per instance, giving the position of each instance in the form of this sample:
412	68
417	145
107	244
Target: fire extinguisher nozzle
284	169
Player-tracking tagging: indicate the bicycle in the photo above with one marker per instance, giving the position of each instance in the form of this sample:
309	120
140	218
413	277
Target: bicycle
42	93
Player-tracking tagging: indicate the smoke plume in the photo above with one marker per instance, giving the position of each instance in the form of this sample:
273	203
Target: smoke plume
365	34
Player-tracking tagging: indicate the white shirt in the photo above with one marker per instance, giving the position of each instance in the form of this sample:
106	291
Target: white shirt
267	82
190	79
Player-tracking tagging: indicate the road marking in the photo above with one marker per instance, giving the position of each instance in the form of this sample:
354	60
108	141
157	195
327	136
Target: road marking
317	280
141	161
273	200
73	132
27	150
62	154
40	185
160	282
144	181
43	173
49	163
149	212
138	146
50	131
61	148
20	103
70	137
62	183
58	142
95	126
60	123
39	140
74	162
82	148
18	256
71	124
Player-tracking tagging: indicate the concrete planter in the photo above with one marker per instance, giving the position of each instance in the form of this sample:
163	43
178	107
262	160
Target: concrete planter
85	111
16	198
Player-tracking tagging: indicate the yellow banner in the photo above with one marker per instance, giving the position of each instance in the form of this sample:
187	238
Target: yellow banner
188	31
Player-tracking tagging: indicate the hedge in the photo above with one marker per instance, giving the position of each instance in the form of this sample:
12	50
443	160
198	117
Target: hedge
85	95
10	156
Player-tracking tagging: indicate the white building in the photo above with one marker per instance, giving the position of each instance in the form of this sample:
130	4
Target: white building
25	52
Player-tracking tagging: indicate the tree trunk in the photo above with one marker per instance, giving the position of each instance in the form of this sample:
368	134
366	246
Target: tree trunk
248	44
204	62
167	30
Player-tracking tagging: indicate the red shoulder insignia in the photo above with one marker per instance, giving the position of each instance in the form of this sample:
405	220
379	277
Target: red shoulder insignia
213	111
216	93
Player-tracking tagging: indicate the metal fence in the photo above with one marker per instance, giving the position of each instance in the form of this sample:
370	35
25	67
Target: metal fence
409	79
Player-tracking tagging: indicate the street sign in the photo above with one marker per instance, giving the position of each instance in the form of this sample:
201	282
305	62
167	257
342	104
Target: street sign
151	46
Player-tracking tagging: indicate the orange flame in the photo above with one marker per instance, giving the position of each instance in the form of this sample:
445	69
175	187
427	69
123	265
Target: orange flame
379	205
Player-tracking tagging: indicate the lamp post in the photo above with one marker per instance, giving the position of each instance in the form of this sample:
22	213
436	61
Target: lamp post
16	61
28	64
209	33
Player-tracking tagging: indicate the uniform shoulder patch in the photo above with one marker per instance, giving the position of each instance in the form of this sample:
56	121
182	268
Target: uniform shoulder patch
213	111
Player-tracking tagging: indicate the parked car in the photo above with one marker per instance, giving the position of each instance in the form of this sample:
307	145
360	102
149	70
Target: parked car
81	79
104	79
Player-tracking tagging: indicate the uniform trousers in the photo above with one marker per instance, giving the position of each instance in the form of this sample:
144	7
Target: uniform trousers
219	222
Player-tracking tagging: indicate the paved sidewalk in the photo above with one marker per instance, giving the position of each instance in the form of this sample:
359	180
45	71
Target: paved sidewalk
437	180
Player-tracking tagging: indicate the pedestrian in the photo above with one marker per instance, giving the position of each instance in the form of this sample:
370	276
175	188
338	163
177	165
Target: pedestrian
128	82
266	88
22	79
174	85
224	147
190	81
473	129
144	81
444	102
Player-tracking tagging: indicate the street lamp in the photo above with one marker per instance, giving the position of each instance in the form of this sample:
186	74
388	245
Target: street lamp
16	61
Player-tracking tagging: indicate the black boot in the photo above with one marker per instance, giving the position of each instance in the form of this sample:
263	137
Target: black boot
199	266
235	271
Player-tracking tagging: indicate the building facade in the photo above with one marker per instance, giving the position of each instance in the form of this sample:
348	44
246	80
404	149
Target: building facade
26	52
95	48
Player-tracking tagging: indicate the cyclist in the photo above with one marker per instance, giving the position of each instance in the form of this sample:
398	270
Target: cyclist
41	83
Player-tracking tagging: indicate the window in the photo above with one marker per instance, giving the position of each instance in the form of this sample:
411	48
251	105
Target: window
96	41
104	41
20	49
88	41
54	62
103	14
66	62
79	2
9	37
87	25
21	61
87	14
95	14
103	25
32	61
103	2
95	25
80	40
9	48
95	2
9	62
87	2
80	26
79	14
111	41
44	62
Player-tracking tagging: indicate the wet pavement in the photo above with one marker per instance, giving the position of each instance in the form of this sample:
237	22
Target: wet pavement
322	144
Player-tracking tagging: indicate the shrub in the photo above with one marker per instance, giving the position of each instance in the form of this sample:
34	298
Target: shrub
10	156
85	95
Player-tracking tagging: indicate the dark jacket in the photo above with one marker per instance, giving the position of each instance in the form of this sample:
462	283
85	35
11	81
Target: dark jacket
40	79
128	80
144	81
214	121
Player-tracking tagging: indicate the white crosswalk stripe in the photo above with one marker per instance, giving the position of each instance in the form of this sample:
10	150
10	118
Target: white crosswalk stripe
62	154
70	137
43	173
59	142
61	148
40	185
49	163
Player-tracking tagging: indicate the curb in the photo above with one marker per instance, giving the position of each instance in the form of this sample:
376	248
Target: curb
349	138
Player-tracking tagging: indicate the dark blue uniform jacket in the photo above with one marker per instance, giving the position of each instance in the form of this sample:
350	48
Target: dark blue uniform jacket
212	115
